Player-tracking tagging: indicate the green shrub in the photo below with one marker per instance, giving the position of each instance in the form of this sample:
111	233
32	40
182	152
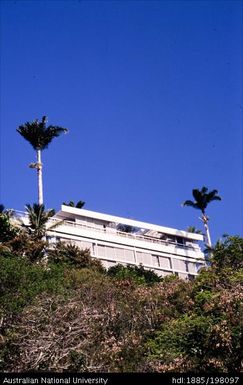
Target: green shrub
7	230
21	281
72	255
136	273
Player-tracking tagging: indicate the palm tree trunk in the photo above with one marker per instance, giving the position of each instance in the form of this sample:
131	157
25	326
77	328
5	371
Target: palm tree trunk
205	222
39	175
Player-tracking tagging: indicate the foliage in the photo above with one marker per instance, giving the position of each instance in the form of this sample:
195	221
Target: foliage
7	229
38	219
60	317
202	198
26	245
27	240
135	273
192	229
228	254
78	205
208	337
38	134
21	281
74	256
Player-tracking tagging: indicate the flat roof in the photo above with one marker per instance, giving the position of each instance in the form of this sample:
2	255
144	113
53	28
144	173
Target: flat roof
75	212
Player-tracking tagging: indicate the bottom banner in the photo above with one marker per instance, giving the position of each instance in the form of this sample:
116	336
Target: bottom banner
40	378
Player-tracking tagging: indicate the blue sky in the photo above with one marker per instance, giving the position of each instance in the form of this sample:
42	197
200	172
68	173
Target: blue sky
151	92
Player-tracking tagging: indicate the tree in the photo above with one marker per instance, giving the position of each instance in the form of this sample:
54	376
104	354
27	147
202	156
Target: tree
72	255
39	136
7	230
202	199
78	205
193	229
38	219
137	274
228	254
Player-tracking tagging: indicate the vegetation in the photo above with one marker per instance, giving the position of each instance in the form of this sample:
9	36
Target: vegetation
78	205
39	136
134	273
202	199
69	254
7	230
38	218
70	314
193	229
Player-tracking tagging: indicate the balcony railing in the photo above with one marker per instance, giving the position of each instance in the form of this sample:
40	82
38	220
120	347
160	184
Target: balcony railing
53	222
112	231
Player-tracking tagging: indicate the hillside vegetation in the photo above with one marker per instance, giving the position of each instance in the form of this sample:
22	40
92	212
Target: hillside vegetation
69	314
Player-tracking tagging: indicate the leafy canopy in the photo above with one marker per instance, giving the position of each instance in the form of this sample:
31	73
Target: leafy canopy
78	205
38	134
202	198
38	219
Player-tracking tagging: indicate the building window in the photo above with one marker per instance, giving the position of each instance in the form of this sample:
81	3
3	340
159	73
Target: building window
156	261
180	241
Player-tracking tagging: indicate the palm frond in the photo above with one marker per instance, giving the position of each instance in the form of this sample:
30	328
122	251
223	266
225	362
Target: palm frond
189	203
80	204
204	190
217	198
202	198
38	218
54	225
196	194
212	196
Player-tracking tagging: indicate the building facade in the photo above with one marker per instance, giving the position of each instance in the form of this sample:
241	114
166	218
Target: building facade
116	240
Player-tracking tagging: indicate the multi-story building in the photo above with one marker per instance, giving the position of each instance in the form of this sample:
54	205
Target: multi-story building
116	240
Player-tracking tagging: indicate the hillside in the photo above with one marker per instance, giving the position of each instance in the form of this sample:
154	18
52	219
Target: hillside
70	314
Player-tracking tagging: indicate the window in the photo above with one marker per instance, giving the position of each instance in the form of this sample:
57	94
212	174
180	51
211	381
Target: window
101	251
180	241
156	261
179	264
120	254
129	255
143	258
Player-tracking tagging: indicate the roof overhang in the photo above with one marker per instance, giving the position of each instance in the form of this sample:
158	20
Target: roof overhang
73	212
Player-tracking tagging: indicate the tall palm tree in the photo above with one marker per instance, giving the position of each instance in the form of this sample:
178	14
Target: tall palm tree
39	136
202	199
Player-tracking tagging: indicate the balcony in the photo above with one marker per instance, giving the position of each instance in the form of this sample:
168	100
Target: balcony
53	222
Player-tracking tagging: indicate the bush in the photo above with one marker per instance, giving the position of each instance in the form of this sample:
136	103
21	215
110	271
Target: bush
21	282
24	245
72	255
228	254
61	317
135	273
7	230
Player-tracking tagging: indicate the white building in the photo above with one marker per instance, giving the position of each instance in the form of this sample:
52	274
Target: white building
116	240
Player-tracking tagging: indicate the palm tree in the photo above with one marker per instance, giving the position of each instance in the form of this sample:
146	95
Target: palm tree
39	136
78	205
193	229
202	199
38	219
